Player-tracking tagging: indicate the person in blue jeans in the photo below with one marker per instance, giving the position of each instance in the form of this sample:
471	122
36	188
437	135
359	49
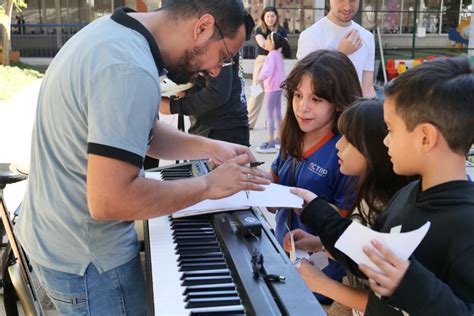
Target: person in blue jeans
97	118
318	89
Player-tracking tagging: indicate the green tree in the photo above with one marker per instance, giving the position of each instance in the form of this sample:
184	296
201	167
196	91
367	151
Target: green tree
6	11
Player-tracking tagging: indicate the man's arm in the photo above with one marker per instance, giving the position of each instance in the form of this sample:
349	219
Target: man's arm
169	143
367	84
115	191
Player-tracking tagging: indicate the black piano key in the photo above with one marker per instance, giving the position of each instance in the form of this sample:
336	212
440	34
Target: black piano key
209	294
209	287
195	232
194	239
187	222
211	302
215	254
202	266
197	250
189	244
194	219
206	280
200	260
220	310
205	273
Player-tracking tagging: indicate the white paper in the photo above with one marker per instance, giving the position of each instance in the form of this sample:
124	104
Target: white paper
319	259
274	195
255	90
356	236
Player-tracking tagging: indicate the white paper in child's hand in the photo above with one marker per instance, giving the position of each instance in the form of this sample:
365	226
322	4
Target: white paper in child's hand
356	236
320	260
255	90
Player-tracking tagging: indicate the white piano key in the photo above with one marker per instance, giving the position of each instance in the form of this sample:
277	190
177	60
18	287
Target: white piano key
167	291
156	175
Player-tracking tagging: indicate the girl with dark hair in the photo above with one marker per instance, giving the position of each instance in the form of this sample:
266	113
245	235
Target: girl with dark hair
363	156
318	89
268	23
272	75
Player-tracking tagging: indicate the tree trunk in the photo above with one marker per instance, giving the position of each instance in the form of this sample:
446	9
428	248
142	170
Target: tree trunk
7	34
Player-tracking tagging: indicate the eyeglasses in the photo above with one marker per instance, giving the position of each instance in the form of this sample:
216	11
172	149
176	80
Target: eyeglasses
229	61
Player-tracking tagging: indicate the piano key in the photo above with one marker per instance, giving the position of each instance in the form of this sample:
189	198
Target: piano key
220	310
202	266
214	301
205	273
167	292
197	250
219	279
200	260
190	244
215	254
210	294
194	239
209	287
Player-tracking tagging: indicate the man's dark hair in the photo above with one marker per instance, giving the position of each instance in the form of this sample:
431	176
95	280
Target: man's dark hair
228	14
439	92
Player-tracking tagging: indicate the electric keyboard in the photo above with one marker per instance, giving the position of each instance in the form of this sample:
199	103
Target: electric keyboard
203	265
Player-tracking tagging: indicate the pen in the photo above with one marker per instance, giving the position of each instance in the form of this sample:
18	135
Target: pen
253	165
256	164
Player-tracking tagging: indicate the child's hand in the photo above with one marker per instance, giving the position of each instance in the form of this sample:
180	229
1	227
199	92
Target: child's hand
312	276
303	240
393	268
306	195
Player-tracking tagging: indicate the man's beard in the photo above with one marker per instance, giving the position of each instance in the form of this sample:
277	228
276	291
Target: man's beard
183	71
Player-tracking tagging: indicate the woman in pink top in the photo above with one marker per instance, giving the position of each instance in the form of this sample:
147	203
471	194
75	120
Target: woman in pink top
272	75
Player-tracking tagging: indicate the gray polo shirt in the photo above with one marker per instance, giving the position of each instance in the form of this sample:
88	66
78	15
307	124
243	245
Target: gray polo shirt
100	96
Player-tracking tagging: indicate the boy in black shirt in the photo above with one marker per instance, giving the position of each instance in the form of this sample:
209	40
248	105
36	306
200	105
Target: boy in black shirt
429	111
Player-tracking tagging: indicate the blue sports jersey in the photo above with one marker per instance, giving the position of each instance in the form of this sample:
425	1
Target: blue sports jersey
319	173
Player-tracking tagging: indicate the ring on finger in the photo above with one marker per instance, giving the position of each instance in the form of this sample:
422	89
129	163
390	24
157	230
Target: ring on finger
249	176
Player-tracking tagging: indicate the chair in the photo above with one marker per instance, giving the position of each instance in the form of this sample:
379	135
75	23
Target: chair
18	269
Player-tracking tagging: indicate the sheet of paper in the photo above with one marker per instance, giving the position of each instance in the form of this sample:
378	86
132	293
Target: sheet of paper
274	195
255	90
319	259
356	236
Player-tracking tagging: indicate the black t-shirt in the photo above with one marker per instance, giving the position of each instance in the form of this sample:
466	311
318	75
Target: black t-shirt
258	30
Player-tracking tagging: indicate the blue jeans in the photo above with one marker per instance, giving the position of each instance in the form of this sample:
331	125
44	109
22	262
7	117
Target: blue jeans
119	291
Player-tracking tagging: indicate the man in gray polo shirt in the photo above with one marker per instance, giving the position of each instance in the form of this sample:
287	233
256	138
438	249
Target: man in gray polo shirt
96	120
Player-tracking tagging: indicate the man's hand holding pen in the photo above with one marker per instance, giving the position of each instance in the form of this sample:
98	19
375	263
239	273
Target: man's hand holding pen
234	175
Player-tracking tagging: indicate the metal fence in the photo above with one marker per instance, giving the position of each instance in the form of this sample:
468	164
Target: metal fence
41	40
45	40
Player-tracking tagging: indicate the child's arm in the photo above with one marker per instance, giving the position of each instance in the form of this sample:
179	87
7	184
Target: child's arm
318	282
326	220
410	286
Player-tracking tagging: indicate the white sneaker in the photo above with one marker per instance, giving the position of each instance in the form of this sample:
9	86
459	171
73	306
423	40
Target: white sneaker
267	148
277	143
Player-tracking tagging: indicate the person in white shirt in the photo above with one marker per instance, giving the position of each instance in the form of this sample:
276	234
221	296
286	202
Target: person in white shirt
338	31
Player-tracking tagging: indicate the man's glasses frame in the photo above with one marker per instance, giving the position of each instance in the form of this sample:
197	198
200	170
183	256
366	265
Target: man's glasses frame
229	61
